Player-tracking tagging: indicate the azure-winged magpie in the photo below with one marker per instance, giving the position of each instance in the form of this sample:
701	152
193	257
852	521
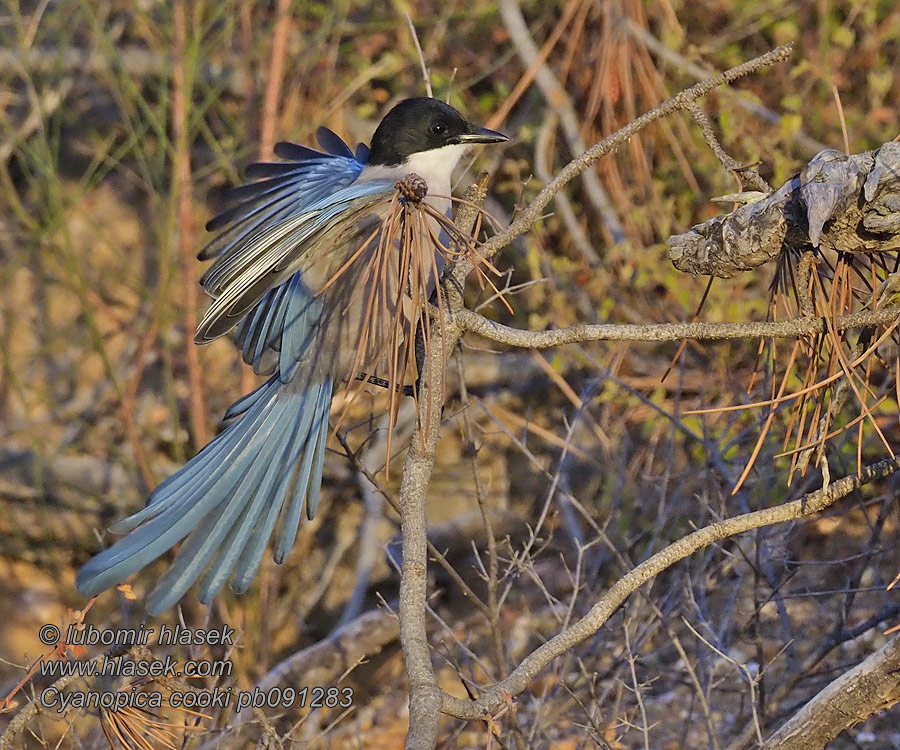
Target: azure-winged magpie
293	270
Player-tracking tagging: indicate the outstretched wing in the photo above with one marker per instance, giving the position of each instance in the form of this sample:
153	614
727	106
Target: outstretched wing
239	280
284	189
279	322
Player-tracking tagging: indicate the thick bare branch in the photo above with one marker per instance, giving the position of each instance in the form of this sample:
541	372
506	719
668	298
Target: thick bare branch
325	661
424	693
839	202
870	687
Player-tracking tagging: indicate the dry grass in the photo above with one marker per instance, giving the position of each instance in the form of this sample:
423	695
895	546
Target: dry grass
589	460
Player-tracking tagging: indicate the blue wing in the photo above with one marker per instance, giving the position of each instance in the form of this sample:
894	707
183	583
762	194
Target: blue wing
285	188
271	257
276	331
266	465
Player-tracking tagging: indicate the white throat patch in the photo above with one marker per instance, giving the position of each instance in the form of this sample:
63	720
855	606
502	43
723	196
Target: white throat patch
435	167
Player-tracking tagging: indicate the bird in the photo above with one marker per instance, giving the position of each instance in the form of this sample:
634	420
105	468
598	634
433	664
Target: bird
310	274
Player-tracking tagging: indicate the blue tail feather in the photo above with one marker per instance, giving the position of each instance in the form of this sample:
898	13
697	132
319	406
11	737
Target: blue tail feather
301	316
312	504
296	441
245	403
307	483
296	482
284	321
173	515
249	332
227	499
201	547
193	475
260	331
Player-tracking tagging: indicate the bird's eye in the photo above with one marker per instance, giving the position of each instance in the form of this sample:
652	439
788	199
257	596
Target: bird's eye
438	128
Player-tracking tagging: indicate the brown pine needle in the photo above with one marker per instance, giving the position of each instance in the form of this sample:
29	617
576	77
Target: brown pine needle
849	371
694	319
816	386
765	430
832	434
138	728
890	586
391	279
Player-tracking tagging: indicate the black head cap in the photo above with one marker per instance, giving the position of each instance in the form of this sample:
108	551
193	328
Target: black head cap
423	124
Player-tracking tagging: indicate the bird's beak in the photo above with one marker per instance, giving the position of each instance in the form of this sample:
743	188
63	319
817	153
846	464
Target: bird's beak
482	135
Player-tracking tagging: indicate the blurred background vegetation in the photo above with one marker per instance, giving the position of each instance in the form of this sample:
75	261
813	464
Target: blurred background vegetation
122	123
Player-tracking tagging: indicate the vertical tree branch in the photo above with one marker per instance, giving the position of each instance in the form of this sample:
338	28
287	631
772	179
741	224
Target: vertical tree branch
425	696
181	168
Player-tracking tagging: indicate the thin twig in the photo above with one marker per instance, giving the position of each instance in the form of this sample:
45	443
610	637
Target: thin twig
703	331
609	144
599	614
426	75
749	175
809	145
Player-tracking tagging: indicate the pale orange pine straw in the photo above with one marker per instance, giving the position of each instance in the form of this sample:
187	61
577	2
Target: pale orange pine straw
849	371
399	275
815	386
838	303
142	729
771	416
832	434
